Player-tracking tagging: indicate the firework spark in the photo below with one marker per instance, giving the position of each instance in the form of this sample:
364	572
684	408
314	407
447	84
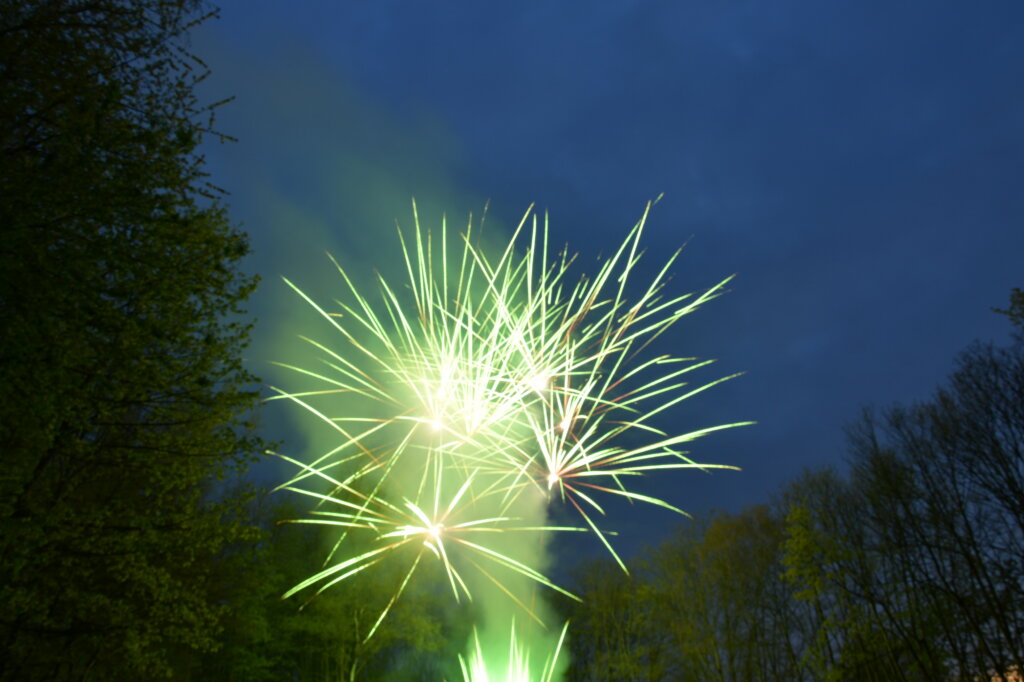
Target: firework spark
485	382
481	667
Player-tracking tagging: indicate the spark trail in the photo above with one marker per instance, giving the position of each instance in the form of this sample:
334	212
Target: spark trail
488	383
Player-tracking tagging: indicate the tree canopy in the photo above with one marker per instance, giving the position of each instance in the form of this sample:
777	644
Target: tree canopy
908	567
124	398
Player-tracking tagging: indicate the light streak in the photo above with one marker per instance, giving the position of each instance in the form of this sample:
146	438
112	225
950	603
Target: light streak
481	666
480	379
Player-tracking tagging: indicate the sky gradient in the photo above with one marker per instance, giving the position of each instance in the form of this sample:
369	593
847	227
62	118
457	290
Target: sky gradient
858	164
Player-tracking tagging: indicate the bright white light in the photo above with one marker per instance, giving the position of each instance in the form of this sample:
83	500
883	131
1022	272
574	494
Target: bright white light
538	382
479	414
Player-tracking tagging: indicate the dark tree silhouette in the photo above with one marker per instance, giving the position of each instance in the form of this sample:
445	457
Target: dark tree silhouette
917	561
908	567
123	398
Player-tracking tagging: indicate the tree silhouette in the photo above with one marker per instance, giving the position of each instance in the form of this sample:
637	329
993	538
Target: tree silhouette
123	396
907	567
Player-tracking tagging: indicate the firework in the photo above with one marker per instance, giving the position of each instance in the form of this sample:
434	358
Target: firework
485	386
480	667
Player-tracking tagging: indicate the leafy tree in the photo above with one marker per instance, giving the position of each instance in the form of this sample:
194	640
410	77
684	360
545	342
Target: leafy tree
908	568
123	398
723	606
613	632
964	518
752	607
915	562
707	604
314	639
326	636
869	622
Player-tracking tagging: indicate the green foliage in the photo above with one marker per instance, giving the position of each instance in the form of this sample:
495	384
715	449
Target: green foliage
908	568
123	398
613	634
959	539
802	554
912	565
268	638
721	579
707	604
857	602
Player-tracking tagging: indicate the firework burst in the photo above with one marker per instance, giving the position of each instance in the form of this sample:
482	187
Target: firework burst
487	383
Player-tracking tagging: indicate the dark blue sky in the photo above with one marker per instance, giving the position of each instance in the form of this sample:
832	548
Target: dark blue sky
859	164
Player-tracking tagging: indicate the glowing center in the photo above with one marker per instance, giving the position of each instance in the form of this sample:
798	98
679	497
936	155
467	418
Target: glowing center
538	382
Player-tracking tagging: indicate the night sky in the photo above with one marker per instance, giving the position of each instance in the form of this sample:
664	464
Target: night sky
858	164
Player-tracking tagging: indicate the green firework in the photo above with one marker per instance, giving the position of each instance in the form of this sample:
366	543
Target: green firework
489	386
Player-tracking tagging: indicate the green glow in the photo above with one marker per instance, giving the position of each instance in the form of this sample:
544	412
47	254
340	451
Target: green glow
471	396
509	664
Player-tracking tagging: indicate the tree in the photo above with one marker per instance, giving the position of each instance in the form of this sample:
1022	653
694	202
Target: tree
614	632
723	606
123	398
908	568
707	604
869	623
915	562
315	638
964	516
1016	310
